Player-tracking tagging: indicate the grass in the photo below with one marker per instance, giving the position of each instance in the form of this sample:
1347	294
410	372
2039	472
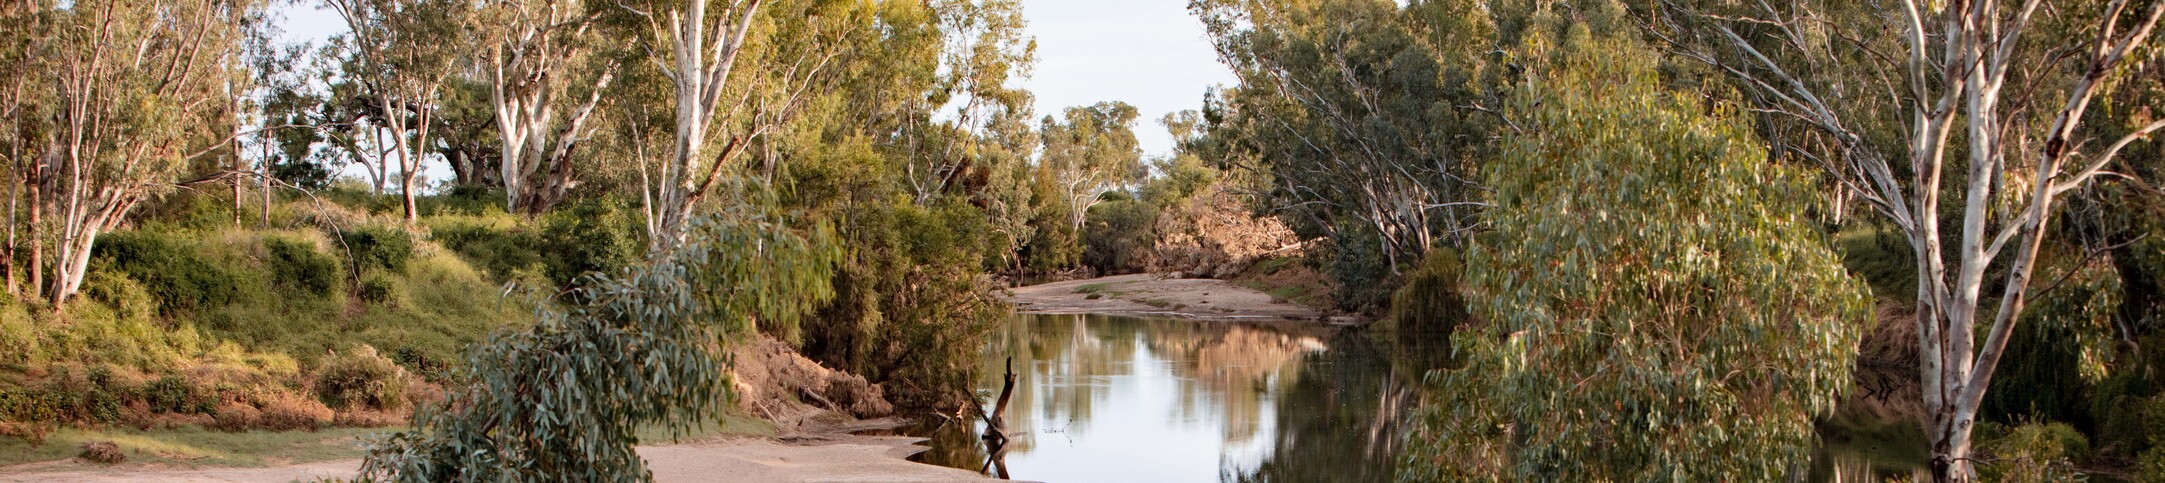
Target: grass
1093	288
195	446
199	447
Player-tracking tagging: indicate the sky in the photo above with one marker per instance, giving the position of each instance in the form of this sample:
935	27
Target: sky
1148	53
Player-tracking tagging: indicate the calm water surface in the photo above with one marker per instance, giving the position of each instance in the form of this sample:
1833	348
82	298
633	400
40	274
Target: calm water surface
1102	398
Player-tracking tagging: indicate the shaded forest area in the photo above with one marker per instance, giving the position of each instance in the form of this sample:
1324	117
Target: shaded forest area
1653	239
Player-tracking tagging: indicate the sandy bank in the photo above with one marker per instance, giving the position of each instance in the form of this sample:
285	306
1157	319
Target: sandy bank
1145	295
833	458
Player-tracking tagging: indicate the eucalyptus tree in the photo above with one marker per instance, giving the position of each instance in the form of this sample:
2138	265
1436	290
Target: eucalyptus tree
538	51
1363	117
401	54
1090	151
983	47
23	140
786	57
564	398
1970	117
131	87
1654	303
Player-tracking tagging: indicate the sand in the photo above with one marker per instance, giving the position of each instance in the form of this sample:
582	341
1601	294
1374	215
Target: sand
1146	295
836	458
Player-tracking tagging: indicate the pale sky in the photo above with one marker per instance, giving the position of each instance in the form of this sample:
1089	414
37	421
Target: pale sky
1149	53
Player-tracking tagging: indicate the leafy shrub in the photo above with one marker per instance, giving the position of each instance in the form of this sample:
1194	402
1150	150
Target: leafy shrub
379	247
1654	304
469	200
1359	269
910	310
1429	301
1119	234
360	378
170	267
562	398
587	236
381	289
175	395
286	411
2035	452
494	244
296	265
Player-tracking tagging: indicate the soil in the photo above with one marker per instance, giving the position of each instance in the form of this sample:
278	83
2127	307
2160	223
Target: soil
1147	295
736	459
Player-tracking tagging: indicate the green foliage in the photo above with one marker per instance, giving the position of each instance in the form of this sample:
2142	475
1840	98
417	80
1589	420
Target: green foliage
589	235
378	247
1429	303
563	398
2061	347
1360	268
175	395
171	267
298	266
911	308
1119	234
360	378
2034	452
1353	114
496	244
1656	304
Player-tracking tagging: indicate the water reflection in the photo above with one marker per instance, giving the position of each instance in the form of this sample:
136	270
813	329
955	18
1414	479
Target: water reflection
1103	398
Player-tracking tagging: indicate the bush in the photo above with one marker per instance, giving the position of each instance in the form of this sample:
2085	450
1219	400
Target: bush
170	267
587	236
1430	301
172	394
1360	270
380	289
285	411
360	379
494	244
2034	452
296	265
910	310
379	247
1119	235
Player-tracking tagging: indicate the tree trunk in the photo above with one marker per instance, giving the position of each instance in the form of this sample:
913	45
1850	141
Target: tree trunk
7	259
36	180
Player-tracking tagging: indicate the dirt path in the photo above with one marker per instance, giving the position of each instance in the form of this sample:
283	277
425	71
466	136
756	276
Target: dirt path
1150	296
839	458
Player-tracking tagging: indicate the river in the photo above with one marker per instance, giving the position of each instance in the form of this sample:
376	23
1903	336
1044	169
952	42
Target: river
1104	398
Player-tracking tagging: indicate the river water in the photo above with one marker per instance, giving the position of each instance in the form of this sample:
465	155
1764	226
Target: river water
1102	398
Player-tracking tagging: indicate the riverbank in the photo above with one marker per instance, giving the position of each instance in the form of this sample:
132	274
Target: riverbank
1147	295
789	459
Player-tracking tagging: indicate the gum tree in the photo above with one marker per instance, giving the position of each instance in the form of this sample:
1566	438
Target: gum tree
1963	123
1655	305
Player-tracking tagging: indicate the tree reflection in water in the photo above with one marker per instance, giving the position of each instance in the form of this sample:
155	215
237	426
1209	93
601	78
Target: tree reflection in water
1108	398
1102	398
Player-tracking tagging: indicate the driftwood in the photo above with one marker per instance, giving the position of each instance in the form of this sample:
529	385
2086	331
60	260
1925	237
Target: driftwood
996	424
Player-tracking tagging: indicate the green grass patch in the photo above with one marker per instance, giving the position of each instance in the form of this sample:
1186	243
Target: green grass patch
1270	266
199	447
1093	288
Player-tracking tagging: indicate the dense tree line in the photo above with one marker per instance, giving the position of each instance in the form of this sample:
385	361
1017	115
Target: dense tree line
586	144
2005	148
